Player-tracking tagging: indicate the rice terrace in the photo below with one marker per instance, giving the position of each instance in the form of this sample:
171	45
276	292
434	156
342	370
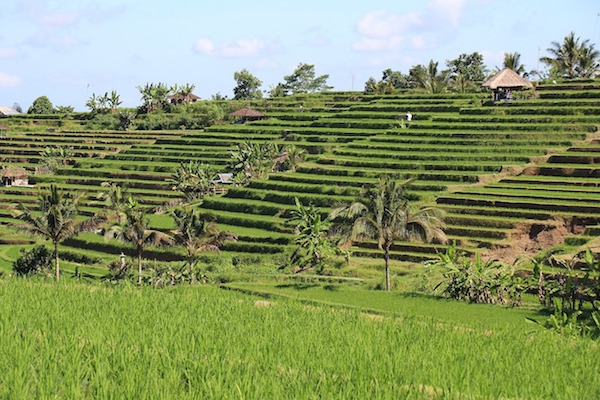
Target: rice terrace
434	235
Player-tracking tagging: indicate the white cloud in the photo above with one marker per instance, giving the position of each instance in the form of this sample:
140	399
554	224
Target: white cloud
204	45
384	30
449	11
382	24
7	80
237	48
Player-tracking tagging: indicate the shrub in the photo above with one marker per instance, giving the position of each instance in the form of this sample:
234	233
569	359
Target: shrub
36	260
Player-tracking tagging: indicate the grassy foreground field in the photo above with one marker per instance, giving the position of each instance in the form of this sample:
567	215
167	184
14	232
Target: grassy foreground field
72	340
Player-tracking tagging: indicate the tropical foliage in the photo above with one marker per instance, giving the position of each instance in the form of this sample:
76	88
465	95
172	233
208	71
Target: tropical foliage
573	58
55	219
384	213
311	230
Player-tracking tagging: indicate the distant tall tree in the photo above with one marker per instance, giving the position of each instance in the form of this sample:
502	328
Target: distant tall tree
113	101
429	78
247	86
197	232
383	213
465	70
17	107
41	105
513	61
92	103
573	58
54	221
470	66
136	230
304	80
194	180
154	95
54	157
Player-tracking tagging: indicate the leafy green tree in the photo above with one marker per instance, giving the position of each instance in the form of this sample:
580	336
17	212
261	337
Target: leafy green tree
136	230
55	220
36	260
197	232
93	104
126	119
194	180
254	160
154	96
311	237
470	66
304	80
116	200
383	213
113	101
573	58
291	157
41	105
56	156
66	110
429	78
247	86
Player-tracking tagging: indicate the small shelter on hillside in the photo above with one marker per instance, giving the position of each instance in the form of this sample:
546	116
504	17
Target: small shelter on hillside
504	82
14	176
181	99
247	114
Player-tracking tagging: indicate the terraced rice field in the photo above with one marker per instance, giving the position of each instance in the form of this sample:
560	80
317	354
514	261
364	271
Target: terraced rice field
352	139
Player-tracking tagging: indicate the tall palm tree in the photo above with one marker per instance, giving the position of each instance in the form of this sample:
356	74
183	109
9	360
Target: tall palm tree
383	213
54	221
197	232
113	101
429	78
573	58
184	92
136	230
513	61
116	201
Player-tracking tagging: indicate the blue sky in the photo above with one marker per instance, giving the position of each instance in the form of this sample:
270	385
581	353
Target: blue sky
68	50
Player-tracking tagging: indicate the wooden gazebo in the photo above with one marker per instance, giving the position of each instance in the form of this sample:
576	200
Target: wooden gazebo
14	176
504	82
247	114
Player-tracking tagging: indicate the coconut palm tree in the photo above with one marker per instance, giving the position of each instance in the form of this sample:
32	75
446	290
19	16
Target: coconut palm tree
197	232
573	58
116	201
383	213
136	230
429	78
513	61
55	220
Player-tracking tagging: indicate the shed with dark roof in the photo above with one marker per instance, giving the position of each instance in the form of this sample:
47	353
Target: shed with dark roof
247	114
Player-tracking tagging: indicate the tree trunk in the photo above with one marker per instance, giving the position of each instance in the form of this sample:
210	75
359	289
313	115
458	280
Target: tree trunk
139	254
56	262
386	258
191	265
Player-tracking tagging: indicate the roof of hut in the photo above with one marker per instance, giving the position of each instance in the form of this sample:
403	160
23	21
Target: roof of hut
12	171
507	78
247	112
8	111
178	97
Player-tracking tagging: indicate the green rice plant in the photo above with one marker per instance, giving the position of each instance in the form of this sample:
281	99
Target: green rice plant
75	341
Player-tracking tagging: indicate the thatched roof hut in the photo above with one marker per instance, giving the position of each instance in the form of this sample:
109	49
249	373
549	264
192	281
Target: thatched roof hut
247	114
179	99
14	175
504	82
507	79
